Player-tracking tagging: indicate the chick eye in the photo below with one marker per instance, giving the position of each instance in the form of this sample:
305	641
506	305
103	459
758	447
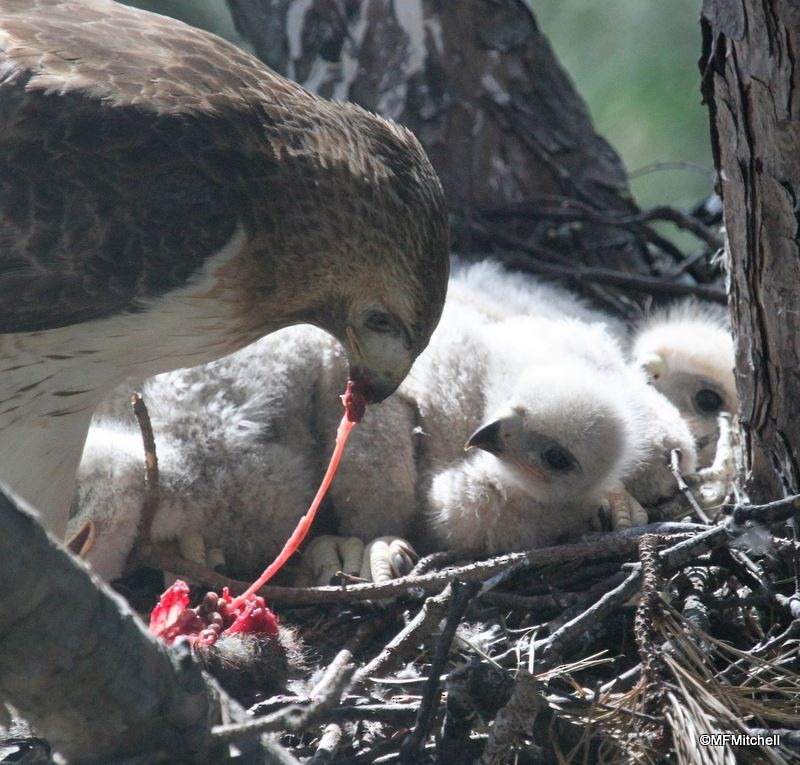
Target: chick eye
558	459
381	322
708	401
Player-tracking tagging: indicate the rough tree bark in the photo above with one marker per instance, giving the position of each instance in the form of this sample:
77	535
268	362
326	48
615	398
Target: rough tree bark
480	86
81	667
751	82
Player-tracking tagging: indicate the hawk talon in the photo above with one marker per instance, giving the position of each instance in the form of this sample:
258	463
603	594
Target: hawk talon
328	556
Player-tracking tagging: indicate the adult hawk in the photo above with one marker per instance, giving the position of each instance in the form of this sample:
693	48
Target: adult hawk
165	199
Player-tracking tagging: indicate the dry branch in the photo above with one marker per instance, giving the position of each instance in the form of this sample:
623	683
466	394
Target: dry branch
601	547
654	675
151	482
683	487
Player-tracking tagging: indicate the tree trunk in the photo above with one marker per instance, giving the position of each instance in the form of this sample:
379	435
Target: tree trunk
480	86
752	85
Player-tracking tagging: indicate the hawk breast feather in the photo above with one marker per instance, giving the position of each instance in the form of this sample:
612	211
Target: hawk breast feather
130	148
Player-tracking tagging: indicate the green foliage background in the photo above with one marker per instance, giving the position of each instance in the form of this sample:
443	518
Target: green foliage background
635	63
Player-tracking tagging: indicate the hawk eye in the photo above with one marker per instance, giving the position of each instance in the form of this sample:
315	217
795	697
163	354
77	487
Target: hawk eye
708	401
381	322
558	459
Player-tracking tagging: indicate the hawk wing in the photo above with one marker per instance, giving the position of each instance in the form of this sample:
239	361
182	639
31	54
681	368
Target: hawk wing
129	144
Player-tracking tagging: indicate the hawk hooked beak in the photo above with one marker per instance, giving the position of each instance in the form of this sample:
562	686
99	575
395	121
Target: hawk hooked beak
376	384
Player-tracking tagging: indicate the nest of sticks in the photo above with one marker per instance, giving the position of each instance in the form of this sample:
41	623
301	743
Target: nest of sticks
675	642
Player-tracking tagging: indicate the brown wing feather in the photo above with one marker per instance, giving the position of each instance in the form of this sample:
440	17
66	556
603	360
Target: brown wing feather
126	144
128	57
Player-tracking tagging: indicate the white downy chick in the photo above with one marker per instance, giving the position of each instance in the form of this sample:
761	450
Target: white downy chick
546	460
687	352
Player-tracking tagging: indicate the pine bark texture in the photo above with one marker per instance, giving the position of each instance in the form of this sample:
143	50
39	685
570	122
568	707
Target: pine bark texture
79	665
751	83
479	84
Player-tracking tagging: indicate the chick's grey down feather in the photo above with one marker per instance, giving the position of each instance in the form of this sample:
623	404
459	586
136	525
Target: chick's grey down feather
165	199
247	437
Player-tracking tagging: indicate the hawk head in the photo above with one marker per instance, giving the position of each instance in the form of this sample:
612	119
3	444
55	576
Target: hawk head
357	235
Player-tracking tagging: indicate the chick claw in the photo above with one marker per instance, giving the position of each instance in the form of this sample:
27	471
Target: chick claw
387	558
625	510
383	559
715	481
329	556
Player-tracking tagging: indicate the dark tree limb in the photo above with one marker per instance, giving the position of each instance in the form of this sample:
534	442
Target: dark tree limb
81	667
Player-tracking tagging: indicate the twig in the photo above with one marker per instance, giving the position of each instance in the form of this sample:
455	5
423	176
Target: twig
292	719
681	164
327	746
675	216
396	714
344	658
672	529
151	486
581	274
790	633
686	264
570	208
780	510
426	620
683	487
433	561
562	640
654	672
551	601
462	594
583	601
603	546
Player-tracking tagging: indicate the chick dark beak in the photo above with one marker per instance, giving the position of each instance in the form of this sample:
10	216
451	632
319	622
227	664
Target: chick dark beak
486	437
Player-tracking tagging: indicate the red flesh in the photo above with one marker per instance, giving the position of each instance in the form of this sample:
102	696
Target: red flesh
172	617
354	400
